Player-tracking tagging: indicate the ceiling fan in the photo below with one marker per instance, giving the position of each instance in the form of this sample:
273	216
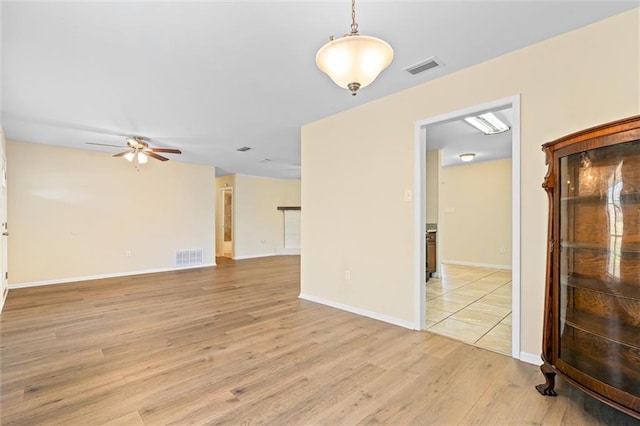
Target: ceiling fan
139	151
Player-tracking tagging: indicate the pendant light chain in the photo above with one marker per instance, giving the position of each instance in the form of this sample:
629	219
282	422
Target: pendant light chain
354	26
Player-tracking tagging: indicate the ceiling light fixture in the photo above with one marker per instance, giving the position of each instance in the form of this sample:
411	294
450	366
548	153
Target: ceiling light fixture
467	157
354	61
487	123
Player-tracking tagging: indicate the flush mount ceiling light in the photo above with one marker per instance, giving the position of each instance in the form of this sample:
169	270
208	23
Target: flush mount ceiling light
487	123
354	61
467	157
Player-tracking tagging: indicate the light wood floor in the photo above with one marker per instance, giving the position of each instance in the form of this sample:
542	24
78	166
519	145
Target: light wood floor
234	345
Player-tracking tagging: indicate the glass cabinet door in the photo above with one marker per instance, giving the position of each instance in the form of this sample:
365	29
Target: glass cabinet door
599	264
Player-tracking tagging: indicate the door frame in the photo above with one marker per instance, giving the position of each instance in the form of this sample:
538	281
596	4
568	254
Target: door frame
420	160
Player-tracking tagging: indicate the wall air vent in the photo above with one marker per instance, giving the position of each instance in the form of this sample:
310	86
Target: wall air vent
243	148
188	257
423	66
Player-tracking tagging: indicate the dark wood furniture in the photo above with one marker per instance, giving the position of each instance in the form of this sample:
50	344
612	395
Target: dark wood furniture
431	253
591	333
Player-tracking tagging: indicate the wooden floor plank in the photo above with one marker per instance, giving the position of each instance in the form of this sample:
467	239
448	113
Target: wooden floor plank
233	344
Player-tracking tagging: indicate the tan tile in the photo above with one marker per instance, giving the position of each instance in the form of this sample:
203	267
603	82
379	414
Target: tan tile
459	330
470	292
448	285
504	290
445	305
459	298
507	320
434	291
436	315
497	339
495	279
455	279
430	324
484	286
493	299
472	275
431	296
488	308
506	273
474	317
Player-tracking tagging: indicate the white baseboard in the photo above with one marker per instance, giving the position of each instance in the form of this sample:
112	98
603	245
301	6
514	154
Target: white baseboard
253	256
102	276
360	311
479	265
277	253
531	358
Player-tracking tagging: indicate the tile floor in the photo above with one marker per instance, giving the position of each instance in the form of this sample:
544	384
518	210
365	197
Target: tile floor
473	305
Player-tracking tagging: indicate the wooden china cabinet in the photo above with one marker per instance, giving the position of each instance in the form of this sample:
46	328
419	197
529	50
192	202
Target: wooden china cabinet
591	334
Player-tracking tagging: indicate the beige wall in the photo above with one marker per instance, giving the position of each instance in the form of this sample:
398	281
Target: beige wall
355	217
259	226
475	217
75	213
222	182
432	186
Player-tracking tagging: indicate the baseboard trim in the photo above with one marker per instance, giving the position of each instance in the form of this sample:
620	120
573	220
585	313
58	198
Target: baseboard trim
480	265
257	256
102	276
253	256
531	358
359	311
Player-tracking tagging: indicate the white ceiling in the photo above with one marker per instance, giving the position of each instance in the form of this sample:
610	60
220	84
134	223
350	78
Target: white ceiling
457	137
208	77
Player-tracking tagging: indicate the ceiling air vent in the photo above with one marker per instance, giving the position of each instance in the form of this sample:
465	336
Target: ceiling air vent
423	66
244	149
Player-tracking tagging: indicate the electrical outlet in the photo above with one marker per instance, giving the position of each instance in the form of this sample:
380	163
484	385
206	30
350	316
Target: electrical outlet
408	196
347	275
127	253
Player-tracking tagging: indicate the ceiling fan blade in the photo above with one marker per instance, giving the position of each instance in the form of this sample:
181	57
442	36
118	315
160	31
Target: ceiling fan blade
121	154
156	156
168	150
104	144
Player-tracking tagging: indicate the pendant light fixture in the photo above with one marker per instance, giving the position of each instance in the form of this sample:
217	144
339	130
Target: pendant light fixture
354	61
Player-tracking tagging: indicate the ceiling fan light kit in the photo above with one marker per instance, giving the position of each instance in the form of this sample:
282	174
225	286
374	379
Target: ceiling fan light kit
354	61
139	151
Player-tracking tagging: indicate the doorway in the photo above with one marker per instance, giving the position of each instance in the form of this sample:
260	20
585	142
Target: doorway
490	279
226	213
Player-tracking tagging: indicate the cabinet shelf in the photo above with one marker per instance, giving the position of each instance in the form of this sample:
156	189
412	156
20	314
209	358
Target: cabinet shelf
613	331
610	287
625	198
594	368
629	249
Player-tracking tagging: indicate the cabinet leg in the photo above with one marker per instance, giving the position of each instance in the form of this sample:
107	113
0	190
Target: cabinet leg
550	377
